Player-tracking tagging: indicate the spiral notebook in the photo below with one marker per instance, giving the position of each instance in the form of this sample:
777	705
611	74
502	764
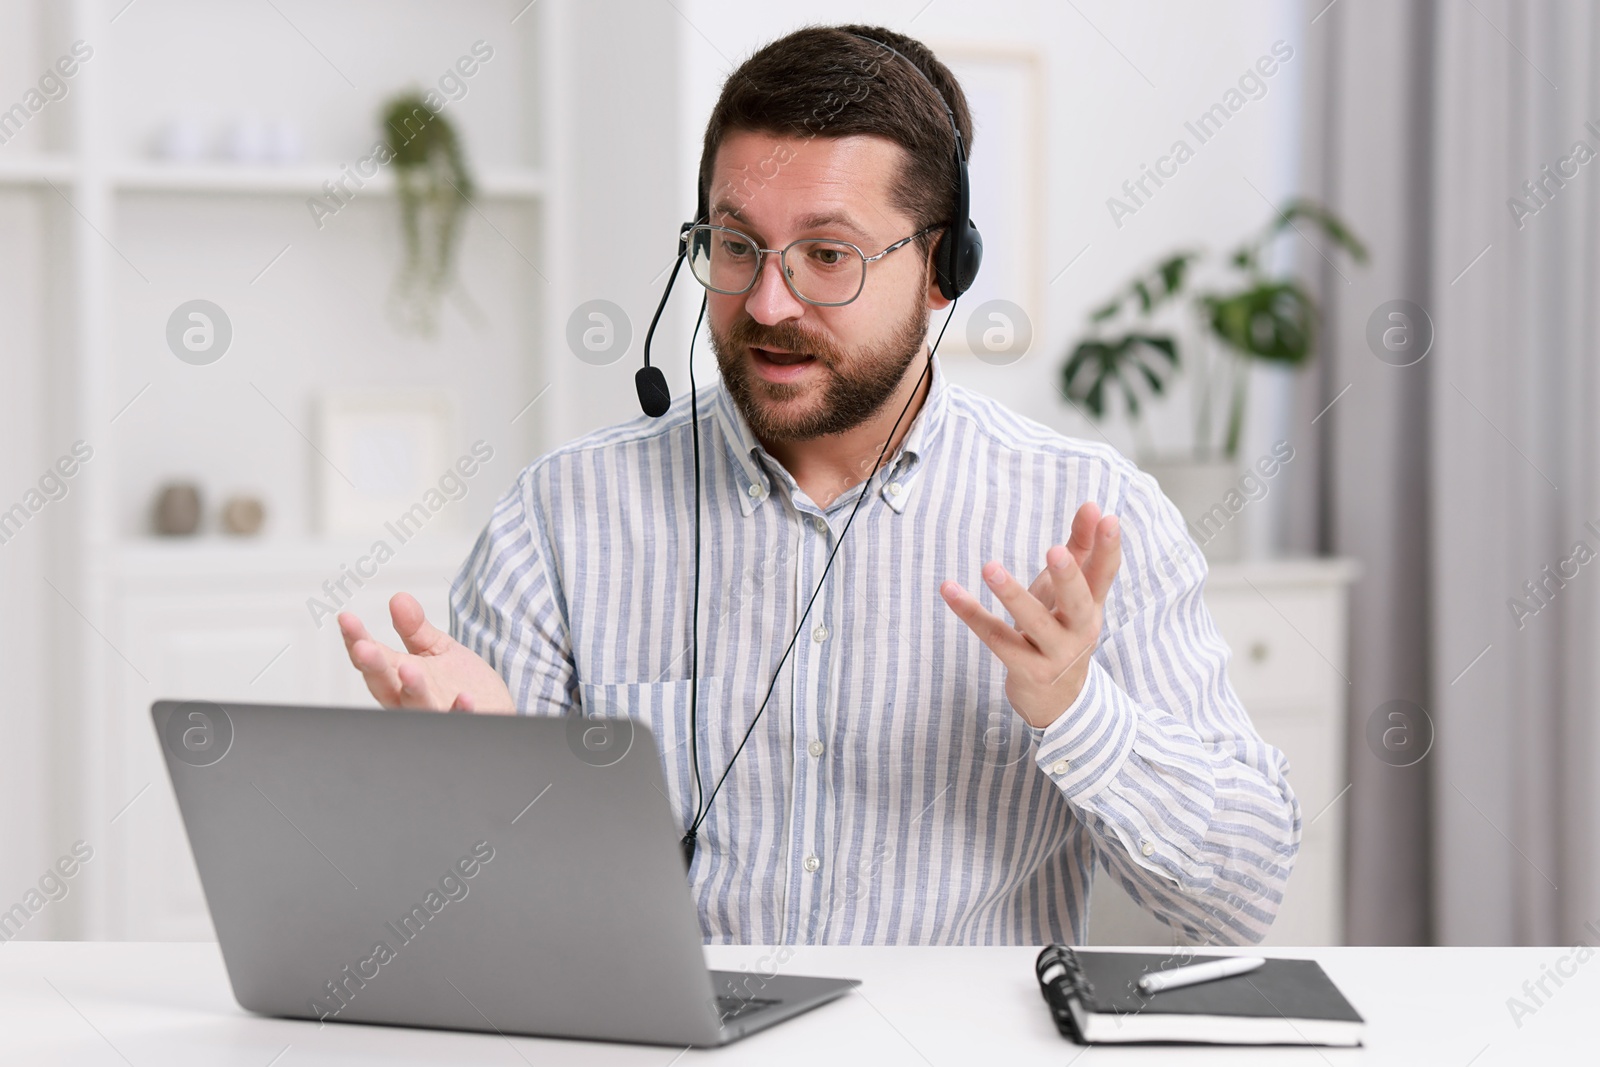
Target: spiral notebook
1094	999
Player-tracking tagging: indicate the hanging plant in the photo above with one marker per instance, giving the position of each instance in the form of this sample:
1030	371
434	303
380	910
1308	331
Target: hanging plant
434	187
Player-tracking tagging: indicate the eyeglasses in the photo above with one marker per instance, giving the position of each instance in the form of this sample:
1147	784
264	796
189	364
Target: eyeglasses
821	271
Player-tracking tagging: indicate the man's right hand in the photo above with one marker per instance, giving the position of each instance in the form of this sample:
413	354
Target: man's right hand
435	673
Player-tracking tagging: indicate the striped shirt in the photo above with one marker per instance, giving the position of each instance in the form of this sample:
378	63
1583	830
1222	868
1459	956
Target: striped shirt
889	794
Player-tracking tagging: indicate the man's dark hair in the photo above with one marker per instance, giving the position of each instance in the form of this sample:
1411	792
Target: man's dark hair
821	81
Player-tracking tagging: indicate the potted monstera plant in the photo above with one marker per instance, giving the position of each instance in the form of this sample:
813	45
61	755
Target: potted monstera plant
1154	328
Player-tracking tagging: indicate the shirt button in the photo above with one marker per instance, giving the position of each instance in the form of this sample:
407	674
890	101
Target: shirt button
894	488
820	524
815	748
755	490
820	634
1147	848
1060	766
812	863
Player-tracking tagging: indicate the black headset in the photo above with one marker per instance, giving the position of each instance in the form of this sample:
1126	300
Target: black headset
956	261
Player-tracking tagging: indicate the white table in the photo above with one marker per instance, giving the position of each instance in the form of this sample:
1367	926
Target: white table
169	1004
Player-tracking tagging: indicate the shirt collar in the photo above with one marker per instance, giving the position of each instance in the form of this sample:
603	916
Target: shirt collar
755	466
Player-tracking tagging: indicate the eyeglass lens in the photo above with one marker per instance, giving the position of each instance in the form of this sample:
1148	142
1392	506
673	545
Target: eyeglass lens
819	270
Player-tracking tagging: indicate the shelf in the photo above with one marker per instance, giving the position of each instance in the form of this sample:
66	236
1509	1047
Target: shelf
210	556
127	617
244	179
301	179
36	169
1302	570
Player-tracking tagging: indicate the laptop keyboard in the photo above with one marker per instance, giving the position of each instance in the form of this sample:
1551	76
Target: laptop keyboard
730	1008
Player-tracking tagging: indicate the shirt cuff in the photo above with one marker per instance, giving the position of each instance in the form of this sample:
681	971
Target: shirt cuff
1086	746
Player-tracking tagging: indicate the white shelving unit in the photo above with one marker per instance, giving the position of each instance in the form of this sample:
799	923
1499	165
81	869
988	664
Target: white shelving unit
37	169
298	180
116	240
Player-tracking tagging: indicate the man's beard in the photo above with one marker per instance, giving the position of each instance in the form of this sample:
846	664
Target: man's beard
857	386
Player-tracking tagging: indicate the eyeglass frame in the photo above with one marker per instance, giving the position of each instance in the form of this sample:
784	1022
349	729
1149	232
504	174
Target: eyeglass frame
761	259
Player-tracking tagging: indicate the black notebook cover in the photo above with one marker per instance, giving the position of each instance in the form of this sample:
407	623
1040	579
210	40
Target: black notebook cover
1105	983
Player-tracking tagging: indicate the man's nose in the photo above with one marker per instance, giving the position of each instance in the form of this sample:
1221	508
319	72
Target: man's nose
770	300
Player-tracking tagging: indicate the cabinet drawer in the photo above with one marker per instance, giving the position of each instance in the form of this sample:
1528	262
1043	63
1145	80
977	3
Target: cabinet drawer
1285	649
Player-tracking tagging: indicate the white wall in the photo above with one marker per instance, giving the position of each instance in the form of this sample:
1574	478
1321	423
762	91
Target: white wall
35	331
621	104
316	320
79	341
630	96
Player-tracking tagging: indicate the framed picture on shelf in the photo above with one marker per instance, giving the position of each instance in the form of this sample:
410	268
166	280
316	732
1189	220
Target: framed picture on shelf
380	455
1005	92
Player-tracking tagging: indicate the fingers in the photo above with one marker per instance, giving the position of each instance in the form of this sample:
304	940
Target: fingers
1001	637
1106	558
373	660
414	689
1043	630
418	634
366	655
1043	587
1083	531
1074	601
397	680
1096	544
1033	618
352	629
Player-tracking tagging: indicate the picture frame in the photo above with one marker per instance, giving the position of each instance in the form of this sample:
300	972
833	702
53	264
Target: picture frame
379	453
1004	87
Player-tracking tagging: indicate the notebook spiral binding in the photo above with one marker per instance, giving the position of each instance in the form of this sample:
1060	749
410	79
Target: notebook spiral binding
1060	980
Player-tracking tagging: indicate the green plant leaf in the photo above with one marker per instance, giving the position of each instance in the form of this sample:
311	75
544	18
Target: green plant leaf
1132	362
1161	343
1173	270
1327	221
1130	397
1152	379
1272	320
1151	289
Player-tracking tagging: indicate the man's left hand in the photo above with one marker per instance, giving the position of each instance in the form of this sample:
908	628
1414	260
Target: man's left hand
1058	619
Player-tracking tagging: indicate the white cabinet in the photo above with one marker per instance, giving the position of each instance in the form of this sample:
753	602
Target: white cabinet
218	621
101	243
1285	622
230	622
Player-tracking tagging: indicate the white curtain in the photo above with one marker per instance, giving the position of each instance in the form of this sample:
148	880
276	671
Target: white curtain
1460	478
1514	471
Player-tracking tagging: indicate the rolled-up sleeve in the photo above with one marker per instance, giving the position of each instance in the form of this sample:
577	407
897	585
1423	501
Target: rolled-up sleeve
1189	808
506	605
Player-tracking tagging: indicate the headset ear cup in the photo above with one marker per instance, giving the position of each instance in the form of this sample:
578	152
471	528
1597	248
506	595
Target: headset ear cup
971	256
957	259
942	266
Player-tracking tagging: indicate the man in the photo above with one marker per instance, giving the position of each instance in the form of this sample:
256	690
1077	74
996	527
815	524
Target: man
921	774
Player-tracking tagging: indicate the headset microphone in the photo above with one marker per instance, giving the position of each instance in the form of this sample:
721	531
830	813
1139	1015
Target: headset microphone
956	261
654	396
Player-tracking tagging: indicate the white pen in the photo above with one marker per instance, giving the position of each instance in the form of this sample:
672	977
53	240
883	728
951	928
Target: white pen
1156	981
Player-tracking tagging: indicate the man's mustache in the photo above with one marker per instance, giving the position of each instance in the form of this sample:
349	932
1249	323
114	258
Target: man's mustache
787	340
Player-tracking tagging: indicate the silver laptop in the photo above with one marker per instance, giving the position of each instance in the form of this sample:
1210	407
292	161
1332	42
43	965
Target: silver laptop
519	874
